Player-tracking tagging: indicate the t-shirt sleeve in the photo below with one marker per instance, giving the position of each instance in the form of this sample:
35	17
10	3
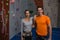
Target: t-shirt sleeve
48	20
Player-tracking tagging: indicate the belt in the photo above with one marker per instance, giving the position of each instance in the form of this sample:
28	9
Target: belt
28	33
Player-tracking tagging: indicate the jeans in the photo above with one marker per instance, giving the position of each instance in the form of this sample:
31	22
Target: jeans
28	37
38	37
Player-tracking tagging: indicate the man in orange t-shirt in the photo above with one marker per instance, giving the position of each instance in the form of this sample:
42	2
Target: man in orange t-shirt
42	22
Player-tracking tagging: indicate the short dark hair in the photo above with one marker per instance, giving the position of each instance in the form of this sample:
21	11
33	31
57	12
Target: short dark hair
25	11
39	7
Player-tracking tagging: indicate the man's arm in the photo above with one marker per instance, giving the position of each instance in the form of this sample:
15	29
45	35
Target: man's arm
50	31
50	28
34	22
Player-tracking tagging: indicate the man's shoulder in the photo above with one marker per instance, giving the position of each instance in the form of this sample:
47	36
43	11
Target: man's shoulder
46	16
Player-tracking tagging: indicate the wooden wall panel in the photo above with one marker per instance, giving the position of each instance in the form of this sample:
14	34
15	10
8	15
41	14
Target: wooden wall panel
39	3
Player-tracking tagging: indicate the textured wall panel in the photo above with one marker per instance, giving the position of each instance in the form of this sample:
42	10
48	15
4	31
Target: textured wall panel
51	9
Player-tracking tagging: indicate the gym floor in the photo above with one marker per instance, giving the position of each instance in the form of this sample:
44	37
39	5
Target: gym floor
55	34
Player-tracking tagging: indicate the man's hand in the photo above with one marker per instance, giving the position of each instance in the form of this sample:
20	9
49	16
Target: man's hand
49	39
22	38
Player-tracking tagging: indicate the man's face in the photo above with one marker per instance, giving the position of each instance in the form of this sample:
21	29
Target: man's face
40	10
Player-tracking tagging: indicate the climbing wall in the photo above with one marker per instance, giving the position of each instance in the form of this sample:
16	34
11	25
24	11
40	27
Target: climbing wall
0	19
4	19
58	21
51	9
5	11
32	7
39	3
14	18
16	14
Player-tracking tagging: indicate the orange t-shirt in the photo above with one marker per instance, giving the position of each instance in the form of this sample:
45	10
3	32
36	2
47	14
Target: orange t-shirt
42	24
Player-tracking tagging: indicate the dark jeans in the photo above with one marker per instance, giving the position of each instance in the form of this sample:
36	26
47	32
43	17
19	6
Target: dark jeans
28	37
38	37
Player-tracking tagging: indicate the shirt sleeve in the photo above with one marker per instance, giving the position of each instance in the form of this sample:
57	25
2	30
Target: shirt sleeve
48	20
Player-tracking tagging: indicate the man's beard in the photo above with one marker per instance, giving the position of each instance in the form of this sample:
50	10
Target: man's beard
38	14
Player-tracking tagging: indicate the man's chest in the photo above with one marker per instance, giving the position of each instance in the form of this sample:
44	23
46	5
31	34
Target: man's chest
40	20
